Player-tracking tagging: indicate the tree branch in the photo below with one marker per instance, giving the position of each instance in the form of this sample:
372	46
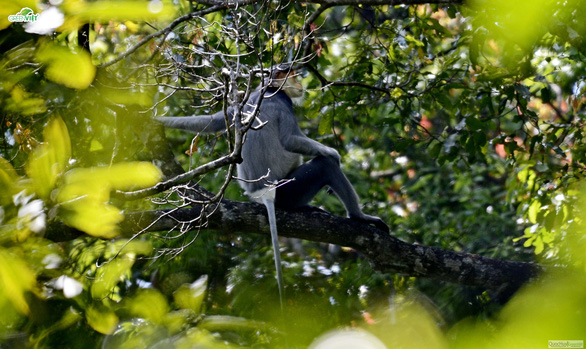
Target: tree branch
218	5
385	252
163	32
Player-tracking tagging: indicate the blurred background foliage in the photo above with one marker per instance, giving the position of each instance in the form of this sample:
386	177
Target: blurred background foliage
460	125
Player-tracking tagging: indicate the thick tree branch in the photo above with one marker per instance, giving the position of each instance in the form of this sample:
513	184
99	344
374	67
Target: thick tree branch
386	253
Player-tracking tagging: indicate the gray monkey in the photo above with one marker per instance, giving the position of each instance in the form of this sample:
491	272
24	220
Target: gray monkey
273	151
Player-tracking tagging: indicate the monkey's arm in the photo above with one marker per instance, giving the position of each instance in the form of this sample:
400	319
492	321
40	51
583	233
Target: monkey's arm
303	145
198	124
296	142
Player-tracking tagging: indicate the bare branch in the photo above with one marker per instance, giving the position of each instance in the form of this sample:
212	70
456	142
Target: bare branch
180	179
163	32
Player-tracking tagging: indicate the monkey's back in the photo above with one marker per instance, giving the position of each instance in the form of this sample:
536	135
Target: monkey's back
263	153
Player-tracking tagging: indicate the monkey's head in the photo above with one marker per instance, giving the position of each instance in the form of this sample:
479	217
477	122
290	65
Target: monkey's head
285	78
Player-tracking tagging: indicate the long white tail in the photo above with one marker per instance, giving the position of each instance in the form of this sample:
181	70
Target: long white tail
269	203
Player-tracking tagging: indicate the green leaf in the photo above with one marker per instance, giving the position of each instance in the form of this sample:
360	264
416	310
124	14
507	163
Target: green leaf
109	275
479	139
86	192
101	319
79	12
325	124
121	176
474	124
8	186
149	304
538	243
70	67
92	216
16	279
50	159
191	296
533	210
434	149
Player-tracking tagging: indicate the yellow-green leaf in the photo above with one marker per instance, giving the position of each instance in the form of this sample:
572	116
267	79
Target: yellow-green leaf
50	159
149	304
325	125
57	136
133	175
86	192
101	319
77	12
70	67
533	211
190	296
92	216
16	278
7	182
123	176
108	276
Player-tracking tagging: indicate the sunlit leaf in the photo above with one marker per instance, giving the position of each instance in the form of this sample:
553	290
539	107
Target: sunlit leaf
16	278
101	319
108	276
196	337
191	296
149	304
86	193
24	102
91	186
122	176
133	175
70	67
78	12
7	181
50	159
92	216
533	211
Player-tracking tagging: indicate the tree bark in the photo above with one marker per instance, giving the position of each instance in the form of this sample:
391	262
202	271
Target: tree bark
385	252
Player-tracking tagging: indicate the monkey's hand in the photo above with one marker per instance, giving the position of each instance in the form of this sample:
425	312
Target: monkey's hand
377	222
331	153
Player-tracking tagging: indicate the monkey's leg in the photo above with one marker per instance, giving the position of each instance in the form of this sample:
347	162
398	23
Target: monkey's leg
314	175
310	177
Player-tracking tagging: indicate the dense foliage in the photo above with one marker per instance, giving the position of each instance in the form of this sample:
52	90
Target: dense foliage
460	125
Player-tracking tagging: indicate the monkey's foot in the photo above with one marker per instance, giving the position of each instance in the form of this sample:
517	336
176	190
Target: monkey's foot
377	222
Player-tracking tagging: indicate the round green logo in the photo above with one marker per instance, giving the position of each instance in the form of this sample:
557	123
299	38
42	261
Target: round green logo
26	11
